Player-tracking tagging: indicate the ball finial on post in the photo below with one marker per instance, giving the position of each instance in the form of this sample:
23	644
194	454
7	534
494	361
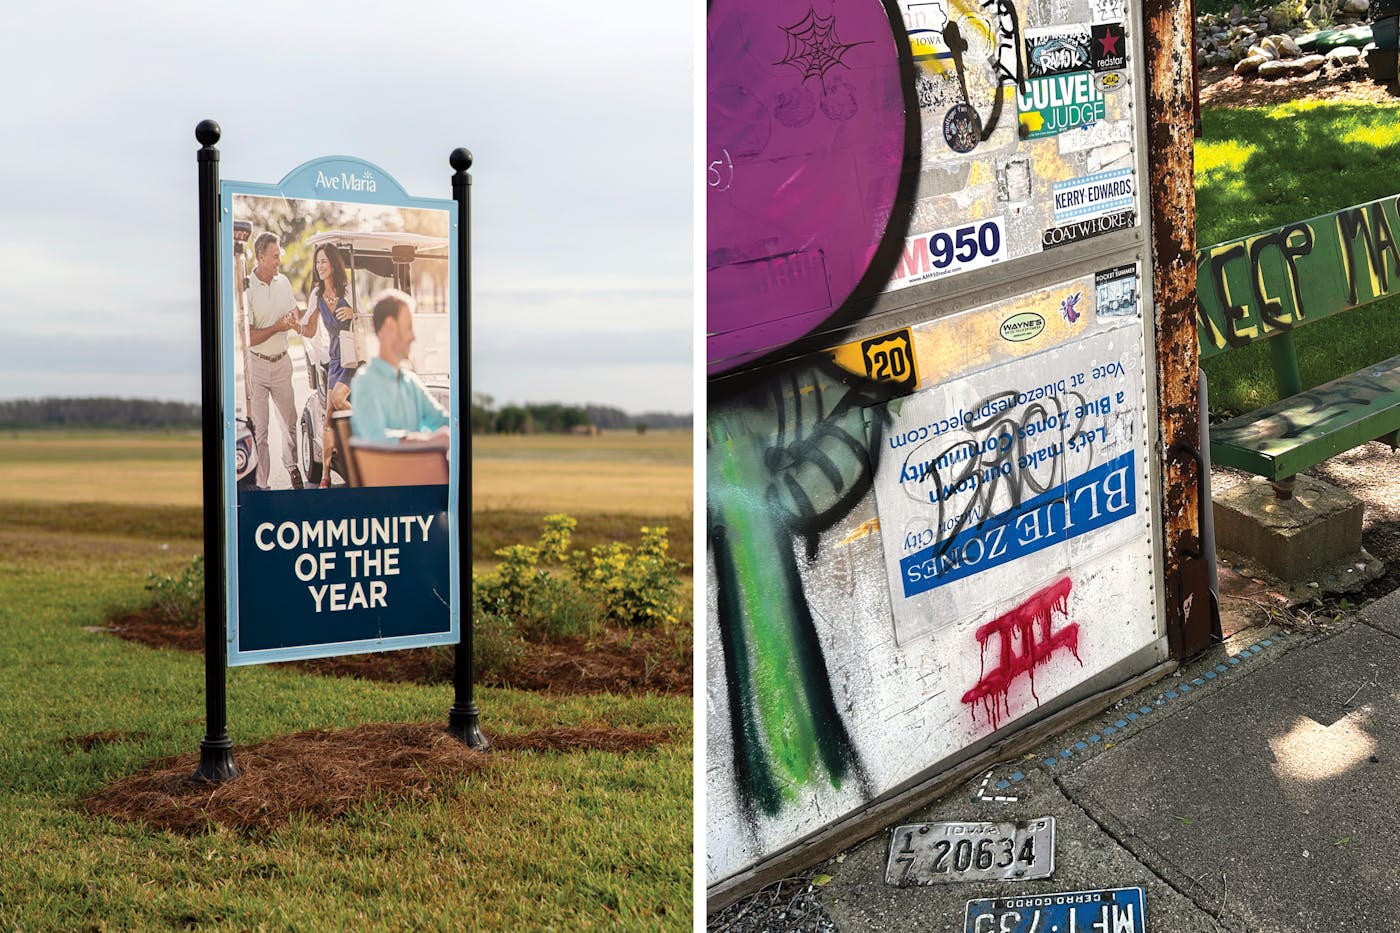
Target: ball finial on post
461	159
207	133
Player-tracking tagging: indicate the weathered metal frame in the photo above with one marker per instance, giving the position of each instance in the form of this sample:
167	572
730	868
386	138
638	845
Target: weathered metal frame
1171	189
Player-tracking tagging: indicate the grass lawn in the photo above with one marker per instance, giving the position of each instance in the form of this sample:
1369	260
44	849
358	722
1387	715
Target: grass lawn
1258	168
536	840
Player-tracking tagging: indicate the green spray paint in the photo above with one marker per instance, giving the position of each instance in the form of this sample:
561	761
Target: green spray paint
784	462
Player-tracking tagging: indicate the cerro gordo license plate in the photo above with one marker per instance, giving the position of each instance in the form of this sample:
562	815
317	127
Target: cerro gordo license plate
936	853
1118	910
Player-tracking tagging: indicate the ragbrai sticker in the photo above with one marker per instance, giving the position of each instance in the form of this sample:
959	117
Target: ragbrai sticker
962	129
1110	81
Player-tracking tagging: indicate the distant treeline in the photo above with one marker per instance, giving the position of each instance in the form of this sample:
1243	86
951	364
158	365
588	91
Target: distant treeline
98	413
555	418
530	418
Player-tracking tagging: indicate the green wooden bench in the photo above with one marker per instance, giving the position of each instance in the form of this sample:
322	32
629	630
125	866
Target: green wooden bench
1265	286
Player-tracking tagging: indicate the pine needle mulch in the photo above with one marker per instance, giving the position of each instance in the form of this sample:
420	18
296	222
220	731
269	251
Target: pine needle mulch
323	774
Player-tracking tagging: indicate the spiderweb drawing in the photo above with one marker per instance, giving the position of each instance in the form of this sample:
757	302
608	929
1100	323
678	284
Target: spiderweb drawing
813	47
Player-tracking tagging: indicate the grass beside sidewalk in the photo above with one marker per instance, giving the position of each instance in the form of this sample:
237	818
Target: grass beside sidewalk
1259	168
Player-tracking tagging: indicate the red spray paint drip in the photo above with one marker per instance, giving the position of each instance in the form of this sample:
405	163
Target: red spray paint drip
1031	622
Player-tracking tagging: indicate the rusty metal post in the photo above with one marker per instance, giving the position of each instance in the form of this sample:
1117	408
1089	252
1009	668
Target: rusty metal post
1170	60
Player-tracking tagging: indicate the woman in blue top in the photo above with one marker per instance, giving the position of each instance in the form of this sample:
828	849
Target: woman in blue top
334	311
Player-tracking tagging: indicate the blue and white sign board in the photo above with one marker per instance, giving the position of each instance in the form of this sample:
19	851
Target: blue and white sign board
315	572
1115	910
1027	469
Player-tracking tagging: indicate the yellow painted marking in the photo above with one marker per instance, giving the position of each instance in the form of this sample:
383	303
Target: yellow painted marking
867	528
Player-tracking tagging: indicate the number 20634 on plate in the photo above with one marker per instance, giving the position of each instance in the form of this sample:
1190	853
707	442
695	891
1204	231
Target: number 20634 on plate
950	851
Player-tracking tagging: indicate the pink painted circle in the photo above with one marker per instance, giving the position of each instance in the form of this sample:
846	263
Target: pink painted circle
805	141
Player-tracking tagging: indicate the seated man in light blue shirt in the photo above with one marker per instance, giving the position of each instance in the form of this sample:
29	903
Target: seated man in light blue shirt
390	404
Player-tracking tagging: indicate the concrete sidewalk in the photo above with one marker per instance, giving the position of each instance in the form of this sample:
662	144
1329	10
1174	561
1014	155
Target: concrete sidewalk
1254	791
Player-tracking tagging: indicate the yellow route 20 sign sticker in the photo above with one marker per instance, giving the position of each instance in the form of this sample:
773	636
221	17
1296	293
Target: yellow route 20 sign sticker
890	358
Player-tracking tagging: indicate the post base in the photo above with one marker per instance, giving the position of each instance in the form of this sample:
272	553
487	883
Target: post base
463	723
216	761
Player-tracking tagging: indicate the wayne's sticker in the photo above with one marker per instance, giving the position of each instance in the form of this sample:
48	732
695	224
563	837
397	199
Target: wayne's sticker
1049	106
1109	48
1086	229
1093	195
929	256
1023	326
1057	50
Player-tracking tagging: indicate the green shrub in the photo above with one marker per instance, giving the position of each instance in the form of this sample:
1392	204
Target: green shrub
556	537
179	599
630	586
637	586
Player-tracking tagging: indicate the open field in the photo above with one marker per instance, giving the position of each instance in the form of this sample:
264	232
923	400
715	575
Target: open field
620	473
645	475
138	468
570	839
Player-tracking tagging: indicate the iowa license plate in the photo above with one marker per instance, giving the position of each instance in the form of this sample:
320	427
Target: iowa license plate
939	853
1118	910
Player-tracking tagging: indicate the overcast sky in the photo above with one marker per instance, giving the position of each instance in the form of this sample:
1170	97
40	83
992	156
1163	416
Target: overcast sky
579	117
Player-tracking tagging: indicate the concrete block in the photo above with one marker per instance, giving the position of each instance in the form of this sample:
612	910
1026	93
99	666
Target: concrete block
1291	538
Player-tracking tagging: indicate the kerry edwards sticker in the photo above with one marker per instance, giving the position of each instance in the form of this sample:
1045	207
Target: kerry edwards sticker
1093	195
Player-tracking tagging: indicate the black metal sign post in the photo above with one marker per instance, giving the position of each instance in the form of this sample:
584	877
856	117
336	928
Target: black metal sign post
216	749
462	719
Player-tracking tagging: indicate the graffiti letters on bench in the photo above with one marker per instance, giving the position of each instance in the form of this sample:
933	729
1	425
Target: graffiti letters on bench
1258	286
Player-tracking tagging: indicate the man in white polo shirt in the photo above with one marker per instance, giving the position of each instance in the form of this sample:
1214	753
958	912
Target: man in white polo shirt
272	311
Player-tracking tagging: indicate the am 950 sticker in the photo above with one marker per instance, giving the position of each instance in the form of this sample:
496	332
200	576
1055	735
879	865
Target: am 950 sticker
950	251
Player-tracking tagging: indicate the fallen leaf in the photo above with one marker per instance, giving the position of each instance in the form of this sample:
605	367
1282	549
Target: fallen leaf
820	880
1343	841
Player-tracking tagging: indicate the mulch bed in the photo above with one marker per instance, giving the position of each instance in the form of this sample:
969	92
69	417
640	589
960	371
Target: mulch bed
323	774
615	661
1221	87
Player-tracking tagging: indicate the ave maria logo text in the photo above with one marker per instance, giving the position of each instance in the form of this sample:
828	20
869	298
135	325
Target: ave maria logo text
345	182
